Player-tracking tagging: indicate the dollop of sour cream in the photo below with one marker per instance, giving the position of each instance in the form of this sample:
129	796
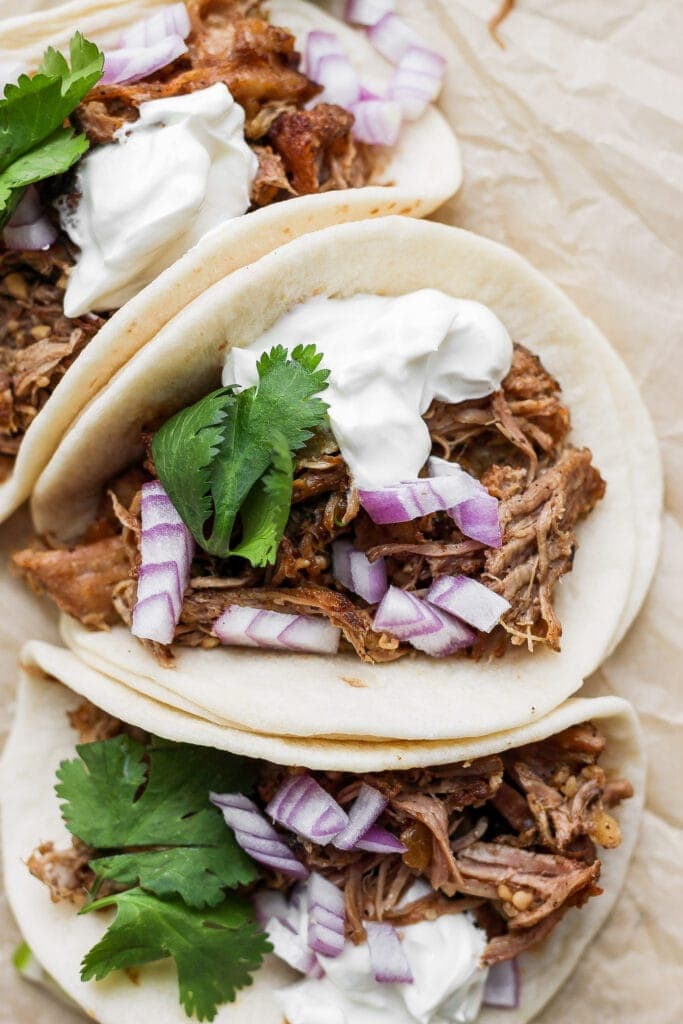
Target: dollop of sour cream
179	171
448	983
388	358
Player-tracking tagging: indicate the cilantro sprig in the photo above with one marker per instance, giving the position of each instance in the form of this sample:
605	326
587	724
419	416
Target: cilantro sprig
145	809
34	141
229	457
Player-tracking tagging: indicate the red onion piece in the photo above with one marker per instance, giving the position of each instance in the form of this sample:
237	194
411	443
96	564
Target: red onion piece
378	840
291	948
478	518
154	618
268	904
387	957
377	122
469	600
169	21
341	562
130	65
367	12
320	45
369	579
417	80
254	627
452	636
405	616
28	229
256	836
502	987
363	813
339	80
166	542
326	916
423	61
399	503
392	37
161	578
303	806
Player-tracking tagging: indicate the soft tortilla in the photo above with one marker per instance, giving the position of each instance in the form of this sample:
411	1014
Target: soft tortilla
42	738
415	698
422	171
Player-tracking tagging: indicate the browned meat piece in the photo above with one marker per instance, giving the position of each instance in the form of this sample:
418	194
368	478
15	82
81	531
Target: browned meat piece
271	181
64	872
514	808
311	144
92	724
80	581
37	342
511	944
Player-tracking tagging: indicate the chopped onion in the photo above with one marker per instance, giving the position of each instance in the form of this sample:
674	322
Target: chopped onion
367	12
326	917
291	948
469	600
405	616
254	627
426	627
303	806
477	515
270	904
410	499
377	122
169	21
134	63
387	956
364	812
166	551
341	562
502	986
28	229
318	46
392	37
256	836
339	80
417	80
356	572
379	840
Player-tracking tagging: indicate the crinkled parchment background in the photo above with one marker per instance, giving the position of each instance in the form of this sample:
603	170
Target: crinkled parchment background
573	151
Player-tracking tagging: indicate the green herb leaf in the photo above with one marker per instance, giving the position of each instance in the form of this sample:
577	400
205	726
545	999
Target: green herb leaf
32	116
120	794
242	467
215	951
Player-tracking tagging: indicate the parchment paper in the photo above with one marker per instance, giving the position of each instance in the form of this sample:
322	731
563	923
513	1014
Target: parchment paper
573	154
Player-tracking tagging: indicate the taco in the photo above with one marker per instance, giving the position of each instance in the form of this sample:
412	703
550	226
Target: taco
470	879
203	112
584	495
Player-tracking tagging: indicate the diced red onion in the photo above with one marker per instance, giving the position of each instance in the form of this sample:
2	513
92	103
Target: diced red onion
339	80
387	956
392	37
425	62
367	12
28	229
379	840
268	904
326	916
502	987
453	636
341	562
363	813
303	806
157	509
154	618
377	122
469	600
417	81
130	65
477	515
399	503
369	579
254	627
163	579
291	948
166	542
169	21
320	45
405	616
256	835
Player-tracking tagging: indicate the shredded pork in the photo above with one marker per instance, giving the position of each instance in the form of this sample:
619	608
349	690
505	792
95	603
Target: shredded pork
514	441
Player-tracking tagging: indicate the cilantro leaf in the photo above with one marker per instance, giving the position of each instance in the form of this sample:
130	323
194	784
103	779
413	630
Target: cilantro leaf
120	795
215	951
215	477
32	116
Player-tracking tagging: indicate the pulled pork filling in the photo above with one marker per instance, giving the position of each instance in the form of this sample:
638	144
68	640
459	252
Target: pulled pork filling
300	151
511	838
514	441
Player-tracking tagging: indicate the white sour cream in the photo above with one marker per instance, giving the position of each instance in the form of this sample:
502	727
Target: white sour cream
388	358
448	982
172	176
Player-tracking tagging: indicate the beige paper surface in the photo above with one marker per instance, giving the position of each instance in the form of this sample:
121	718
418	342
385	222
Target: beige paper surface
573	152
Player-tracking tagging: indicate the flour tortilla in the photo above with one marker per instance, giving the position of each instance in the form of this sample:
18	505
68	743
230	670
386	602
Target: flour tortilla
420	173
41	738
415	698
